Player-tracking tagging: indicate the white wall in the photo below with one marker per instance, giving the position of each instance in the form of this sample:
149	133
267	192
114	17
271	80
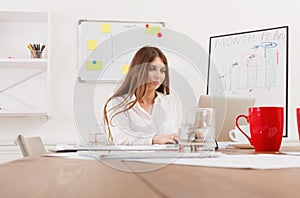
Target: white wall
197	19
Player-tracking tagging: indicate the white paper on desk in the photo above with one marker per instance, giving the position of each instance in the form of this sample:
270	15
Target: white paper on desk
260	161
223	144
291	153
70	155
171	147
155	154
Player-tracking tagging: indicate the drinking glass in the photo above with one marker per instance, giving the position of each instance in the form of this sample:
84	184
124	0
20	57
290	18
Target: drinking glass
197	131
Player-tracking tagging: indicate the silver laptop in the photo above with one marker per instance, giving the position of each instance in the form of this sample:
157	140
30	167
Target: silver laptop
226	110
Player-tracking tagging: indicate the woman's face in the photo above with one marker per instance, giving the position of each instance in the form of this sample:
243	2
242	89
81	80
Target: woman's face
156	74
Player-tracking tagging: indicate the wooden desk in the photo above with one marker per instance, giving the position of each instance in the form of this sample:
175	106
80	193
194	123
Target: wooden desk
58	177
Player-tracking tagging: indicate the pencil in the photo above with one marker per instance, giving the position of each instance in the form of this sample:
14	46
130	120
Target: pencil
43	47
32	51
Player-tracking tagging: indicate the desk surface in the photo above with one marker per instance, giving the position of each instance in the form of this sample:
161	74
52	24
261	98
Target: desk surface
60	177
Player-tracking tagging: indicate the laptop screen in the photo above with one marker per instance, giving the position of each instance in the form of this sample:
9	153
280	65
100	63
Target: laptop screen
226	110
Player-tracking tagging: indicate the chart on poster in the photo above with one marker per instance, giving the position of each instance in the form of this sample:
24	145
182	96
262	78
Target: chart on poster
252	64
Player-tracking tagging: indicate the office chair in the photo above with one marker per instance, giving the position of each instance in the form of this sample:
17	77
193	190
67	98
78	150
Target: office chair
31	146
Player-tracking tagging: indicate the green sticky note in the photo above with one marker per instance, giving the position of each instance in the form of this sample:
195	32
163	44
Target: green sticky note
94	65
153	29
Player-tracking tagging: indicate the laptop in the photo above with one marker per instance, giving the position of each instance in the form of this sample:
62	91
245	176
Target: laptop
226	110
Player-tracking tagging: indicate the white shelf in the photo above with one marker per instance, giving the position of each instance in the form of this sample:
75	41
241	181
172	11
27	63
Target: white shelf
22	113
23	63
23	17
21	74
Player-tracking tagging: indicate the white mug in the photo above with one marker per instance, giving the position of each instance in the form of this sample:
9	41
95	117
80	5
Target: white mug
237	136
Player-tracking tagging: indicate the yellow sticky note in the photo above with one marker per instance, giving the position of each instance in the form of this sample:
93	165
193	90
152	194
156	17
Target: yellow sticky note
153	29
125	68
92	44
94	65
105	28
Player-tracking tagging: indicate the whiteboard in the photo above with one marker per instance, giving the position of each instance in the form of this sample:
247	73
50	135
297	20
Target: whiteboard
252	64
97	56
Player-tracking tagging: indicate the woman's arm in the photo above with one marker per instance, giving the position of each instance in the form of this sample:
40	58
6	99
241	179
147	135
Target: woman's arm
175	116
122	137
123	129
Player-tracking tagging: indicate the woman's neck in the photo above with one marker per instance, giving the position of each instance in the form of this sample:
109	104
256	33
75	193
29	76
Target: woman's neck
147	101
148	98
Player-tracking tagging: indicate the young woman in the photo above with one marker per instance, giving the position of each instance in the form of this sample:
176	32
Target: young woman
142	111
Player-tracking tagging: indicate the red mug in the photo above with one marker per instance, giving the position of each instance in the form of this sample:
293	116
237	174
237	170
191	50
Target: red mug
266	127
298	120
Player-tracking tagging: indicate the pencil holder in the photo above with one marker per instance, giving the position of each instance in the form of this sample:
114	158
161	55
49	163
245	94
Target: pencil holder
36	54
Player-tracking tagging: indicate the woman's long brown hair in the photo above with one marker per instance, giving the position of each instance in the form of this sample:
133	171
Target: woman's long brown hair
135	82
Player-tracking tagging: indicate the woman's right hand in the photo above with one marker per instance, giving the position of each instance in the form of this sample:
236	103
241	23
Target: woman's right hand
165	139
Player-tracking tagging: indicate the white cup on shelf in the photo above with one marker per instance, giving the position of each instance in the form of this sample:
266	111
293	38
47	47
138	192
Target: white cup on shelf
97	135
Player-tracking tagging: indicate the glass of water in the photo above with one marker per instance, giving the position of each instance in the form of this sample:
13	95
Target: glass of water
197	131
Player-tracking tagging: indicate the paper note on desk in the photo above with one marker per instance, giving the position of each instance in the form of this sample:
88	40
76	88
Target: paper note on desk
156	154
260	161
291	153
66	148
70	156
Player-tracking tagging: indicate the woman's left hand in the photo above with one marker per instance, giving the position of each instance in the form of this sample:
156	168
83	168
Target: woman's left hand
165	139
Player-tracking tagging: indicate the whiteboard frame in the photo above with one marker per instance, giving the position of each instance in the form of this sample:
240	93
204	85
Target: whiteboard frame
285	91
80	21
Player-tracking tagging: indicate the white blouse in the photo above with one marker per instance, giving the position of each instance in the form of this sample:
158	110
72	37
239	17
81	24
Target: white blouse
137	127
